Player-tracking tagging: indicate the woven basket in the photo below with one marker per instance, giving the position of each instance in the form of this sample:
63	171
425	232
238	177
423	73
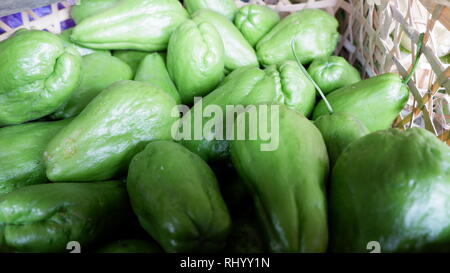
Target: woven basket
372	36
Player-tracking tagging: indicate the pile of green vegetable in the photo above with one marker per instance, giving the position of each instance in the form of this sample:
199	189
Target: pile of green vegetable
87	154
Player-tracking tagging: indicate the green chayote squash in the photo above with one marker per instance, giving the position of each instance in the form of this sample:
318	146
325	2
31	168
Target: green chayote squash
314	32
392	187
338	131
238	52
65	36
99	143
333	72
226	8
376	101
287	182
244	86
37	75
153	69
46	217
87	8
255	21
293	88
22	146
98	71
195	59
131	24
131	57
177	199
130	246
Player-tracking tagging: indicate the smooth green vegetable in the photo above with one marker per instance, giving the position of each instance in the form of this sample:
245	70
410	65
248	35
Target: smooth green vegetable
46	217
392	187
177	199
37	75
293	88
65	36
195	59
376	101
87	8
100	142
314	32
22	146
287	183
244	86
338	131
332	73
130	246
98	71
255	21
131	24
238	52
153	70
226	8
131	57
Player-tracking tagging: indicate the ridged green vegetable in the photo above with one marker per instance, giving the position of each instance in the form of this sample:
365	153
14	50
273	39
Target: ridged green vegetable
392	187
87	8
98	71
238	52
37	75
313	31
244	86
130	246
255	21
376	101
338	131
333	72
293	88
99	143
177	199
131	24
22	147
226	8
195	59
153	70
65	36
131	57
287	183
46	217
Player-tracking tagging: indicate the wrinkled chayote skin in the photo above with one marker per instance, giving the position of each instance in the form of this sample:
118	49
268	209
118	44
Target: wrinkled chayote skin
46	217
65	36
195	59
314	32
244	86
338	131
87	8
333	72
130	246
131	57
22	147
226	8
131	24
392	187
99	143
238	52
293	88
152	69
37	75
376	101
287	183
176	197
255	21
98	71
